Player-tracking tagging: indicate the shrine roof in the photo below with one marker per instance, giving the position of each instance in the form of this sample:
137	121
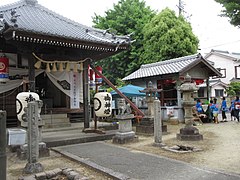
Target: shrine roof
172	66
32	19
231	55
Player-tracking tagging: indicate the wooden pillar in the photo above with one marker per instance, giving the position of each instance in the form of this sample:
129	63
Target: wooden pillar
208	89
86	107
3	145
31	72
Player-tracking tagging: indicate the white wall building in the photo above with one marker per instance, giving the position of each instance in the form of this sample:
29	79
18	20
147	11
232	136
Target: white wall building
229	66
227	63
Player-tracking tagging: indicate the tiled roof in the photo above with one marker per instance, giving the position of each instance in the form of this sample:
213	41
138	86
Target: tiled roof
213	82
36	19
166	67
233	55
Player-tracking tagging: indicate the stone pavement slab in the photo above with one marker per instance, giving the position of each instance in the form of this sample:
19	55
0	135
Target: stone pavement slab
73	136
122	163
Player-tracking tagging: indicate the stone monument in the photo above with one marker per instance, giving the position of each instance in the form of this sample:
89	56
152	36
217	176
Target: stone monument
25	98
125	133
146	126
157	124
189	132
33	166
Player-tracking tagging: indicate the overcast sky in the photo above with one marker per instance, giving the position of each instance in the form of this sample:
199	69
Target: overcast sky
214	32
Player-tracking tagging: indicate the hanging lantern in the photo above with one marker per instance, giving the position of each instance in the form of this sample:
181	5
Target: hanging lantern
4	69
22	100
103	104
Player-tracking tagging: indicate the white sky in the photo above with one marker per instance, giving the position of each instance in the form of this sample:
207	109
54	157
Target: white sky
213	31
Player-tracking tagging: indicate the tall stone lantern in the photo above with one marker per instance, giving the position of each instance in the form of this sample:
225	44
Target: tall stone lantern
151	93
146	125
189	132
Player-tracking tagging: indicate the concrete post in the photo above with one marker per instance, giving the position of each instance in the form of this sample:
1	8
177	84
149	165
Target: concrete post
3	144
33	166
157	122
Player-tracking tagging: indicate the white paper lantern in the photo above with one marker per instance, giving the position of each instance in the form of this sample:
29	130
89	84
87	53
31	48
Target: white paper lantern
22	100
103	104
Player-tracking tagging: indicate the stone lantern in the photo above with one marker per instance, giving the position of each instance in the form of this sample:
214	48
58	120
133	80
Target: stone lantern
188	133
151	93
146	125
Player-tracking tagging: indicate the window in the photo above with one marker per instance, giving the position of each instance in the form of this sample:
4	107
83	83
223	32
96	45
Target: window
237	72
201	92
222	71
218	92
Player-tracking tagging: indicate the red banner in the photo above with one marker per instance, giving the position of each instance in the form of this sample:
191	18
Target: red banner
4	69
98	78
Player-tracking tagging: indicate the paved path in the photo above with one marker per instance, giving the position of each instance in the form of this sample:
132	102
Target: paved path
73	135
122	163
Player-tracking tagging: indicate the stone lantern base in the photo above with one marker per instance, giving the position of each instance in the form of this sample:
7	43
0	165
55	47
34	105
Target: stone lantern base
146	127
189	134
125	133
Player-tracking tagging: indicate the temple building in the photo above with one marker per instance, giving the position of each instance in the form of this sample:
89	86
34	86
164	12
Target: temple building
168	75
49	54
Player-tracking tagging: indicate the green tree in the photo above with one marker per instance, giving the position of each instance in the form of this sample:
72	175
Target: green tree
167	36
231	10
126	17
233	89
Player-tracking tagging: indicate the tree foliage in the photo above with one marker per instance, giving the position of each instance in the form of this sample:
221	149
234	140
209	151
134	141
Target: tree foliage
233	89
231	10
167	36
126	17
157	37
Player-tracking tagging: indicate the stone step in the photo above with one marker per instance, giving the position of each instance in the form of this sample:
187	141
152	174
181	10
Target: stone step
57	125
54	121
53	116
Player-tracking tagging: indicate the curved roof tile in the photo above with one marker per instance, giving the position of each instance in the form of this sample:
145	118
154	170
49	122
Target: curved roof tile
165	67
35	18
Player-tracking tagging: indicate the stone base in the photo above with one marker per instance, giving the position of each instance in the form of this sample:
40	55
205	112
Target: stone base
43	151
124	137
149	130
31	168
159	145
173	121
189	134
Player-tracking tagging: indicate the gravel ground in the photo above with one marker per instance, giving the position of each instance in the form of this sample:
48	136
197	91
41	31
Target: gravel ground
220	148
15	166
220	151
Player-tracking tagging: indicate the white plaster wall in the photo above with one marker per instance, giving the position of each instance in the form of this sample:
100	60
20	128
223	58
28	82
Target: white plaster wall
224	63
217	87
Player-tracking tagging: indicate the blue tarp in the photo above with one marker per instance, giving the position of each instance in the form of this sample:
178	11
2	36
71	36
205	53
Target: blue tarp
129	91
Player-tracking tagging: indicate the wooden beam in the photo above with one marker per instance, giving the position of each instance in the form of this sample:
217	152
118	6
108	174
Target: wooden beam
119	92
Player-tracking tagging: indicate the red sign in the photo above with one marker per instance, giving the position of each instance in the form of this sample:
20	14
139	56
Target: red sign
98	78
199	81
91	74
4	65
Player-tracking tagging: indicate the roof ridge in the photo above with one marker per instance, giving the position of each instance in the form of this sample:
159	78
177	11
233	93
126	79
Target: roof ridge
34	3
171	61
60	17
15	5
